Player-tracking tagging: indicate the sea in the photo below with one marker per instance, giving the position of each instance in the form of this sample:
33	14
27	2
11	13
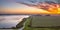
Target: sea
8	21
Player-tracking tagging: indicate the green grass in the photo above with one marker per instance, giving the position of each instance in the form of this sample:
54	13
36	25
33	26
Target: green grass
31	28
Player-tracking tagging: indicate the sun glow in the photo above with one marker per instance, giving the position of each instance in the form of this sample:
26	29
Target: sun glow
53	8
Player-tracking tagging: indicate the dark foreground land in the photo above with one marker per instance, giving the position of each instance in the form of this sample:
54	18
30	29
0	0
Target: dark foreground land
33	23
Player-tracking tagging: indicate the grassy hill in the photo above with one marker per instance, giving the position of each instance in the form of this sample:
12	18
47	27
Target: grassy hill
28	22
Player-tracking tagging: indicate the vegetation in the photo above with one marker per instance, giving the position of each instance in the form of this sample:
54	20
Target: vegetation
31	28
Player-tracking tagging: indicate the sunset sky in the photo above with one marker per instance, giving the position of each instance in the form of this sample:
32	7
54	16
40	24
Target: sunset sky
15	7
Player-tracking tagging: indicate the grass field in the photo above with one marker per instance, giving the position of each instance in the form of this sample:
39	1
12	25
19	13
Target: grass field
31	28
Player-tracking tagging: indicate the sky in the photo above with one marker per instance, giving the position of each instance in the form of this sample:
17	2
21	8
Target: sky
15	6
33	1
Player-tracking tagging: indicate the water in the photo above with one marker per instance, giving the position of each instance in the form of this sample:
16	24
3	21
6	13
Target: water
8	21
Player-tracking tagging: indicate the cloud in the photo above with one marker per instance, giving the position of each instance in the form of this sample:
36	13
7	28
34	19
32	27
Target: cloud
32	2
